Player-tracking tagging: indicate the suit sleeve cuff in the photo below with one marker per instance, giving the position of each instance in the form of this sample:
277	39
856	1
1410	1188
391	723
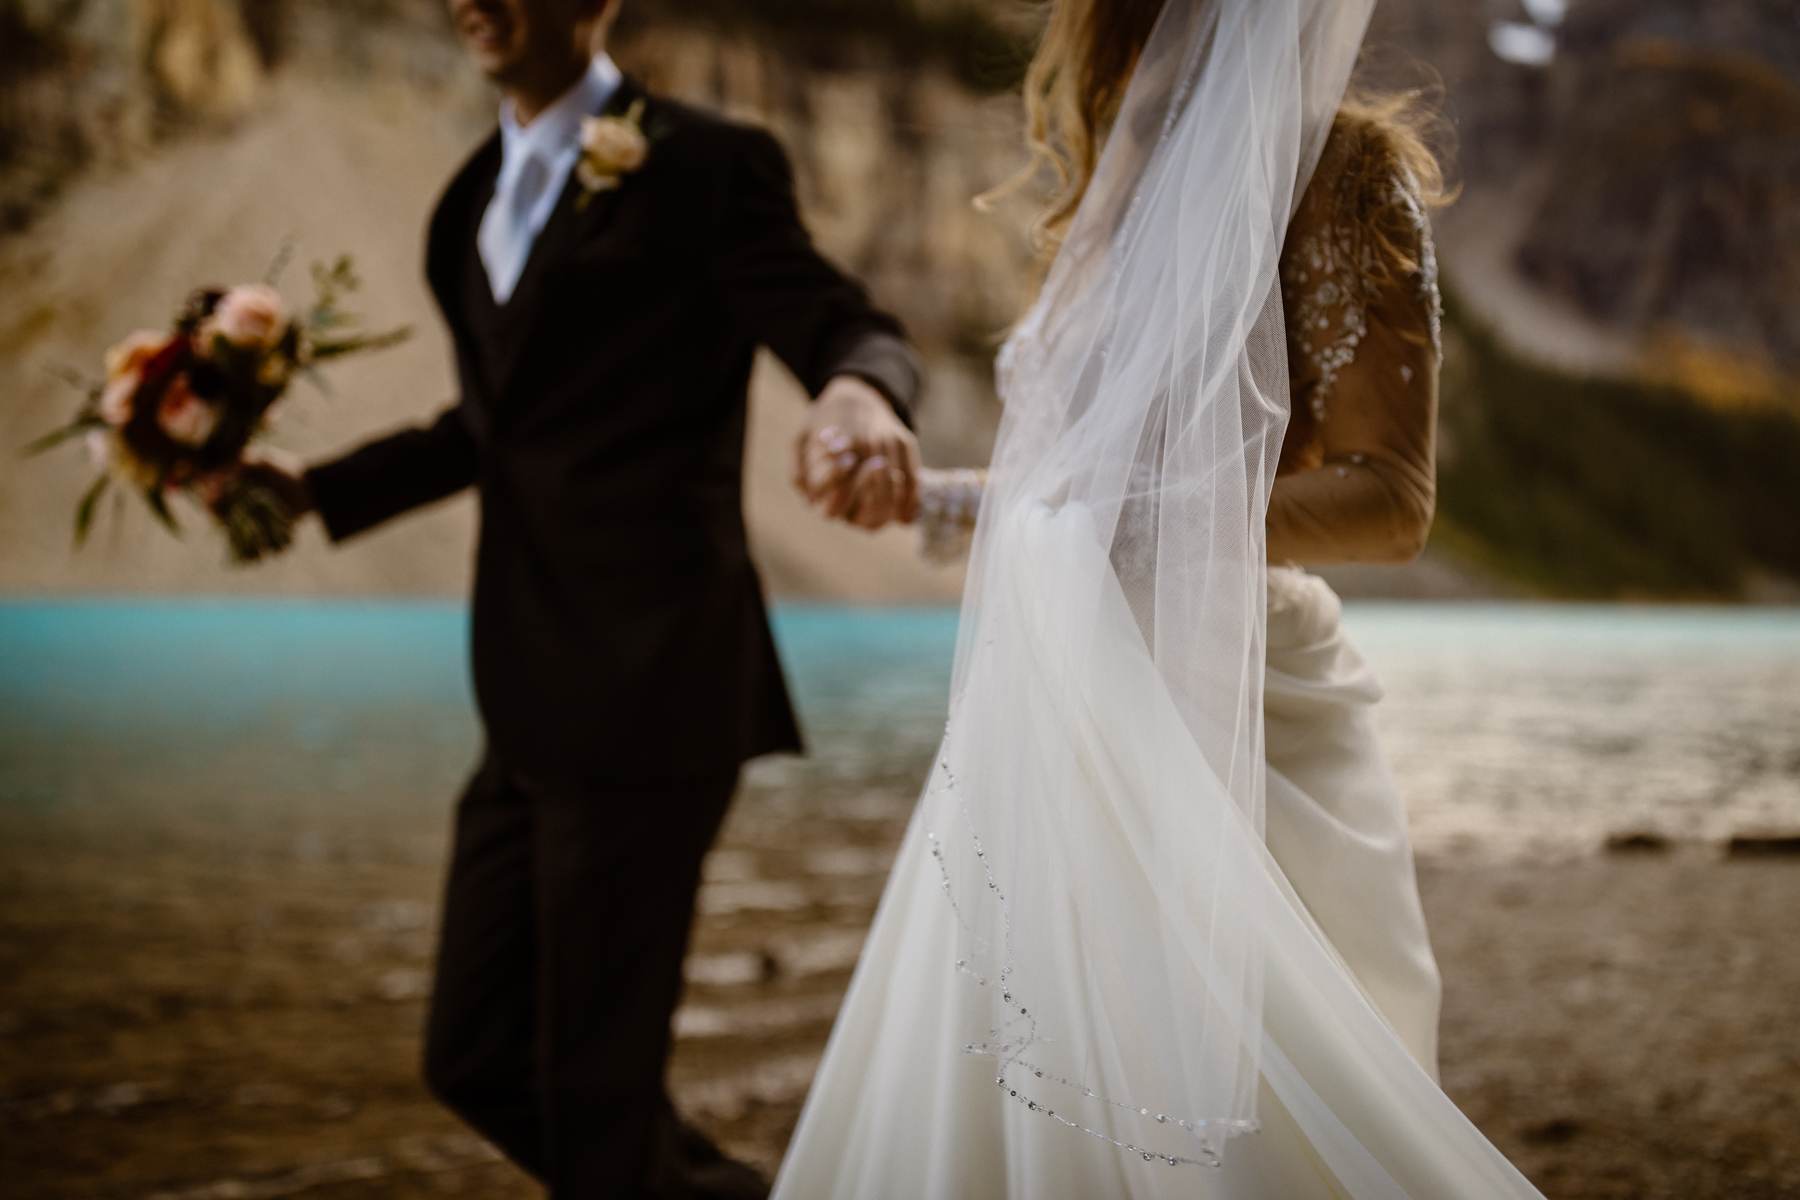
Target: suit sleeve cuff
887	364
331	492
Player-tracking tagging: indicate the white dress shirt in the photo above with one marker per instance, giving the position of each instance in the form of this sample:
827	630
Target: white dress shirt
535	161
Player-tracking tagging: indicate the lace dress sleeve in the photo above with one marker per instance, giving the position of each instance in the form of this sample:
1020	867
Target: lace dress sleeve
1365	331
948	504
1364	348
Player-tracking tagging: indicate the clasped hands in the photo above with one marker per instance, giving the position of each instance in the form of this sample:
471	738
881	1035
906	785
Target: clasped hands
856	460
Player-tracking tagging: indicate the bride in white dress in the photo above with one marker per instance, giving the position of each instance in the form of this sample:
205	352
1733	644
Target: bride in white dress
1154	929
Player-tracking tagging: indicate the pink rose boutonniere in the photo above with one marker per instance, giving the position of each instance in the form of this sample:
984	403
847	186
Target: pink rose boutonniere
611	148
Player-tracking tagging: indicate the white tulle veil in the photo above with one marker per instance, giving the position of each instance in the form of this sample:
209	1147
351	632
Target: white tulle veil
1097	812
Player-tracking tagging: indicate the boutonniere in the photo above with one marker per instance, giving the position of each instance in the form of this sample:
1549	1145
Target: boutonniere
611	148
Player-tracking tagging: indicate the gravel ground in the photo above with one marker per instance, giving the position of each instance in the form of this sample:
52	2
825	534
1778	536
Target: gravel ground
207	1008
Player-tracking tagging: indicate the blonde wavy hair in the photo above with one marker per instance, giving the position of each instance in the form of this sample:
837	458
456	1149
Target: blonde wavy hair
1077	81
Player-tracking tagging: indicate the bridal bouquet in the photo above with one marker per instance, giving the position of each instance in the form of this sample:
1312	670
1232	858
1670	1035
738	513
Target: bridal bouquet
177	412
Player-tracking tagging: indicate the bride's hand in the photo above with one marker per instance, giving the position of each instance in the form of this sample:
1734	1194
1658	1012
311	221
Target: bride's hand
879	494
855	459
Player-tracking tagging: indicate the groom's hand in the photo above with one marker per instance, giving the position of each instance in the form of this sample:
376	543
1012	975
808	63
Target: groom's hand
856	459
283	479
282	474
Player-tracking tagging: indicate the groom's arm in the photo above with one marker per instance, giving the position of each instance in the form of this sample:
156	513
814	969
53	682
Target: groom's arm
777	285
393	475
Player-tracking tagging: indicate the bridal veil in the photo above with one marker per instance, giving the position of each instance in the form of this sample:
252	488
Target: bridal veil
1098	808
1089	974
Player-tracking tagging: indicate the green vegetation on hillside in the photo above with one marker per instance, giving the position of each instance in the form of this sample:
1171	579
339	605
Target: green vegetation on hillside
1603	488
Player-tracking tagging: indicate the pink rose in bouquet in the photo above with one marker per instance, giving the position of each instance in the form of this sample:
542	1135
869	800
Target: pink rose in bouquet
177	411
185	418
125	364
251	317
130	355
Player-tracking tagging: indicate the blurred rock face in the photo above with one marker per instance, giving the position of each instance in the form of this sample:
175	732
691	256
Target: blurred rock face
1656	159
100	80
344	147
198	55
1687	214
1672	235
890	152
1644	182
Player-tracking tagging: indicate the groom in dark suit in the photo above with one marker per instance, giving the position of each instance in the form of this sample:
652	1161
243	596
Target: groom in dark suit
606	286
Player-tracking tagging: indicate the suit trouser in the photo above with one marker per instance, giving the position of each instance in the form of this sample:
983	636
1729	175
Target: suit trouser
566	920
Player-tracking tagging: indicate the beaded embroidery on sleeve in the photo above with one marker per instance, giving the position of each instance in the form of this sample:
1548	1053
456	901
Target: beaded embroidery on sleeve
1327	286
949	502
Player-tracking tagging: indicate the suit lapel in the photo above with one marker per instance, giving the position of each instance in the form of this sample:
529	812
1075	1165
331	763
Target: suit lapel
453	228
571	223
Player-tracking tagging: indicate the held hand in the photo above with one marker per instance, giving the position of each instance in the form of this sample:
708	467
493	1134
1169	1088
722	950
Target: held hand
855	459
282	474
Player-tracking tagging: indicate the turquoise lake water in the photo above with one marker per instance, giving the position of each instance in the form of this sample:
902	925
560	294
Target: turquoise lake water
1512	728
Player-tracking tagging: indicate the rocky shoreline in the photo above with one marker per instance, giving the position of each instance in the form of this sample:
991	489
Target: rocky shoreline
199	1007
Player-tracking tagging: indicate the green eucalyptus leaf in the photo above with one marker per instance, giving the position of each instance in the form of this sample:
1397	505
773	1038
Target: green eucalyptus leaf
317	378
159	506
57	437
279	264
77	380
323	351
84	512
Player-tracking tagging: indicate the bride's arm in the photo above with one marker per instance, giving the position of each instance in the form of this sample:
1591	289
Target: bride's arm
1372	497
949	502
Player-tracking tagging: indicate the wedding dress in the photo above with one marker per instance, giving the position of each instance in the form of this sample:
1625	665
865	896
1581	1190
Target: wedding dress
1154	929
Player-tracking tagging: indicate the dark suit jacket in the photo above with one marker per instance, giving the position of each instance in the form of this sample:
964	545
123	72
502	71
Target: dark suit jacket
619	630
